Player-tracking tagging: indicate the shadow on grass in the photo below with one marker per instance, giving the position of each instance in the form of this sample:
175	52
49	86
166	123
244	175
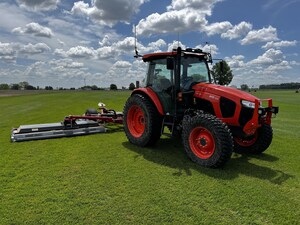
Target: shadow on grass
169	152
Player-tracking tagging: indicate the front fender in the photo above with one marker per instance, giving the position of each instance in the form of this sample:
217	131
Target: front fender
151	95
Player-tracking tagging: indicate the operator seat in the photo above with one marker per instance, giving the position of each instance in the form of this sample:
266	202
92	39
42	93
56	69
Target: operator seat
165	84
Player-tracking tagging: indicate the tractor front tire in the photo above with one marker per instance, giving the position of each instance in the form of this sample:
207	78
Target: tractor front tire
256	144
207	140
142	122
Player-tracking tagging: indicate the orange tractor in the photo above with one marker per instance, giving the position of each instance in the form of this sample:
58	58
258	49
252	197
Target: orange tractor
212	120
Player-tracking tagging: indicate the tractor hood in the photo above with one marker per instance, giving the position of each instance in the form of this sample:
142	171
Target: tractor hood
222	91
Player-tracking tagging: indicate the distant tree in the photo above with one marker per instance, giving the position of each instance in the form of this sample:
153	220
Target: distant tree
86	87
30	87
14	86
48	88
113	87
131	86
23	84
94	87
4	86
244	87
222	73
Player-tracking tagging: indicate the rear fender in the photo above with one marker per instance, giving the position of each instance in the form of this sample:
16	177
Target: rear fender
151	95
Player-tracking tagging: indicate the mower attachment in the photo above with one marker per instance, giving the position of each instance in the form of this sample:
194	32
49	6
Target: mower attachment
55	130
93	121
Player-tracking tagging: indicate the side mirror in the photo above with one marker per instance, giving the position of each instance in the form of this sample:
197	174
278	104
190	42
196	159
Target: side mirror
170	63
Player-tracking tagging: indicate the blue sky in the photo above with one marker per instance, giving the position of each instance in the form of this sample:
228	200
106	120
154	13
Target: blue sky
70	43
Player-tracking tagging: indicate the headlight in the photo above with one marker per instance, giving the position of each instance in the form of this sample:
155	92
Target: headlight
248	104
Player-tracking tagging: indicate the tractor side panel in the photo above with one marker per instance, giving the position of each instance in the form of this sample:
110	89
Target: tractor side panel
230	117
153	96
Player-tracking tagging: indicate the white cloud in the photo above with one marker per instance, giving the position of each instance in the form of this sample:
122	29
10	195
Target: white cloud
204	5
283	65
34	49
175	45
112	52
171	22
262	35
271	56
217	28
35	29
157	45
66	64
236	61
81	52
211	48
122	64
40	5
105	41
107	12
77	52
8	52
126	47
265	69
106	52
189	15
280	44
34	70
237	31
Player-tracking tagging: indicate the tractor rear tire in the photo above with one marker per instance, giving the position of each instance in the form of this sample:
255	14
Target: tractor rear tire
257	144
142	122
207	140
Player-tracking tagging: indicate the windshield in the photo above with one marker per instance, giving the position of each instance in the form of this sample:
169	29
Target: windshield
193	69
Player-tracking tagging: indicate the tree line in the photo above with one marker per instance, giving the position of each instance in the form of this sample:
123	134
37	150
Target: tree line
20	86
281	86
24	85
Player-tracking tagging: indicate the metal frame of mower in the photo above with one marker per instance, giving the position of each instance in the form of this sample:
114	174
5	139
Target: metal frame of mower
93	121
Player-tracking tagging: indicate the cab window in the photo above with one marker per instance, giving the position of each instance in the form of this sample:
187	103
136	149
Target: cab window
159	77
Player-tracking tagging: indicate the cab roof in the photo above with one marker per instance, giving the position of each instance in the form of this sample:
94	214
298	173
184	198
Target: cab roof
162	55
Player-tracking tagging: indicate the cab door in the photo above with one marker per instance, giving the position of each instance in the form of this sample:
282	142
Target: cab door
161	80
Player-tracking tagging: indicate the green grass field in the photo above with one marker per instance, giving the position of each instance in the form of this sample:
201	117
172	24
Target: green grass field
102	179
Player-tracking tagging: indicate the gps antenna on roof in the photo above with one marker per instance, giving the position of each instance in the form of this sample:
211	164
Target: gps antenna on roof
135	46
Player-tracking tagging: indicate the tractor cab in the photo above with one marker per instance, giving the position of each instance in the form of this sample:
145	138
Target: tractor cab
167	79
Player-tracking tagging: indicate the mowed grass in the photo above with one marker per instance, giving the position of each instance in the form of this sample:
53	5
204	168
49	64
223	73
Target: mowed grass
102	179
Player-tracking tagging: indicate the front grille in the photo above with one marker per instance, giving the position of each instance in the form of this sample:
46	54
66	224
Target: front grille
227	107
245	115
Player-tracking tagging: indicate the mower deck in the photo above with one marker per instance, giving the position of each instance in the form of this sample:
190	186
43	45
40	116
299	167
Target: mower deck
91	122
55	130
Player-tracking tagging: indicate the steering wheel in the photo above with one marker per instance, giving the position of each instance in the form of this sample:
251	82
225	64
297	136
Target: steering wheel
187	83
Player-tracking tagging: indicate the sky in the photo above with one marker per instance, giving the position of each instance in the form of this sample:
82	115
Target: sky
65	43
